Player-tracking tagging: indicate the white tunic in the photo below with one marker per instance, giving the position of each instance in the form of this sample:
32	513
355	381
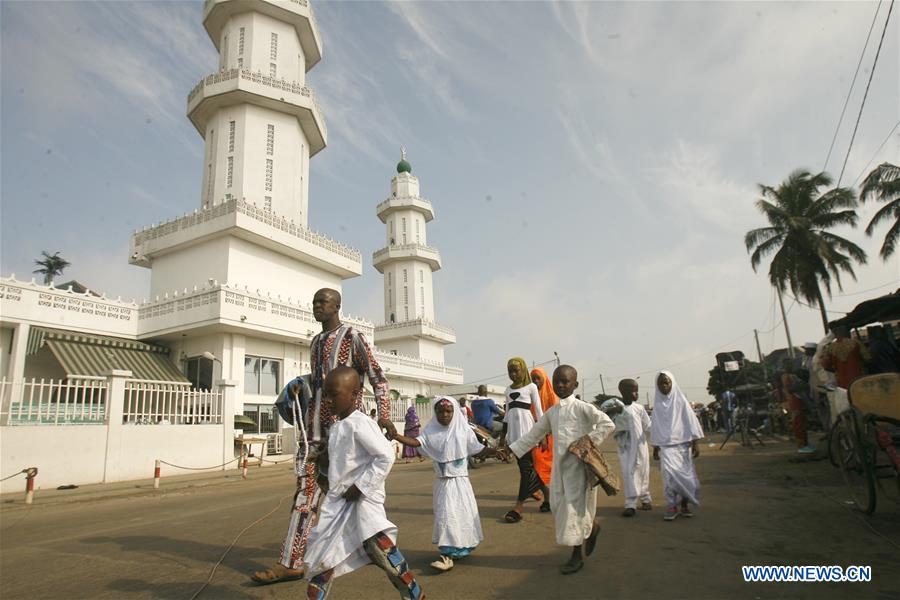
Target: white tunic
519	421
572	501
634	458
359	455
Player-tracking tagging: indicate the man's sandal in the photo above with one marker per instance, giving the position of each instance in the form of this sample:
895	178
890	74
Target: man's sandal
512	517
277	574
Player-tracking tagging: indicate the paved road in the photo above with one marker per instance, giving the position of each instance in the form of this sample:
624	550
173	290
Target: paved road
759	508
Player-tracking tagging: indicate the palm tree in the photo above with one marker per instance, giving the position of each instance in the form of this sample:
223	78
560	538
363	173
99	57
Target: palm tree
883	184
50	266
806	255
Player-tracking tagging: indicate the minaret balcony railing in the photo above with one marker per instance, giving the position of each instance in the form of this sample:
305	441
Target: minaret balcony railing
241	78
236	205
416	203
415	328
420	252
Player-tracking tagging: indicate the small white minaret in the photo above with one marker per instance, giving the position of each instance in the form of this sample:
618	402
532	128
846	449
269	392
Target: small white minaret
408	263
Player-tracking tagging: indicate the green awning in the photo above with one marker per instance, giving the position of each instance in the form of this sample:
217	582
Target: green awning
95	355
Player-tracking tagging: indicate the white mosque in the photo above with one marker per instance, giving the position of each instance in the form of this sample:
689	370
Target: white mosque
231	282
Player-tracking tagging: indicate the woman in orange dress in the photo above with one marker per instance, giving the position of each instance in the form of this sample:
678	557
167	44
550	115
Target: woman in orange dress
543	459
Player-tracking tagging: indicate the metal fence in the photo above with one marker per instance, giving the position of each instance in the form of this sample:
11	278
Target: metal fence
399	408
170	403
81	401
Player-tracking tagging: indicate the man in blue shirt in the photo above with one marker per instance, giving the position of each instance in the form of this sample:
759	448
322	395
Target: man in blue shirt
729	405
484	409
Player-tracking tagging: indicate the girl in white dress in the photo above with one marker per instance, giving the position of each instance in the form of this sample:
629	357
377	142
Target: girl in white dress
449	441
674	432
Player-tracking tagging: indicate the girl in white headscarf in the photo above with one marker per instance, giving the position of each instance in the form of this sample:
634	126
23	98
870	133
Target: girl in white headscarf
674	432
449	441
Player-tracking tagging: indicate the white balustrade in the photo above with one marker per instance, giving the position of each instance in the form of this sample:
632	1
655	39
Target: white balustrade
76	401
170	403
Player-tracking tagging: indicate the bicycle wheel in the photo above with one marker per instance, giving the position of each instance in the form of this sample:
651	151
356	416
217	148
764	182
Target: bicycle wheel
832	445
884	471
855	468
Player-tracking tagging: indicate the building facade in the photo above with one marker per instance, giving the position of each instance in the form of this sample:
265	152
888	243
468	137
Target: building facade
232	282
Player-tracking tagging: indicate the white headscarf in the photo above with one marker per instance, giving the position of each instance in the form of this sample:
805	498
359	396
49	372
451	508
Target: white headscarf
673	421
455	441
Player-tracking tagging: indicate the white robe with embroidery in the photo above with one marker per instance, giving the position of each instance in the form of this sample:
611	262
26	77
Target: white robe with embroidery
572	501
358	455
634	459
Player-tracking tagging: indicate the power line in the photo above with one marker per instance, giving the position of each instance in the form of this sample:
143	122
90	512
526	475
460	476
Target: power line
877	287
852	83
838	312
540	364
866	94
887	137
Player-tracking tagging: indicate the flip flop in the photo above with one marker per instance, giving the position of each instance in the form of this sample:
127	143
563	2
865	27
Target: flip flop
512	517
269	576
591	542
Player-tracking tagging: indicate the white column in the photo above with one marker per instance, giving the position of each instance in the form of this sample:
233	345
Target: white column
228	388
16	372
115	409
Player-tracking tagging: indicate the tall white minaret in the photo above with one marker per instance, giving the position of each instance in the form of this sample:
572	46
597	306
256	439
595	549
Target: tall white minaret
408	263
260	125
259	121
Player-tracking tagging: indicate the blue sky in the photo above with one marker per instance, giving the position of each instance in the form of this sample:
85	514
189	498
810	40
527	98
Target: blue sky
593	166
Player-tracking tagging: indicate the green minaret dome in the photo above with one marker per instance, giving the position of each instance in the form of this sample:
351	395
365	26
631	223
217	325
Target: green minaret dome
403	166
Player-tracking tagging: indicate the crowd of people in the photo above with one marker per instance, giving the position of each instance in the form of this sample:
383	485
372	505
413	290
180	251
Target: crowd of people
338	522
798	389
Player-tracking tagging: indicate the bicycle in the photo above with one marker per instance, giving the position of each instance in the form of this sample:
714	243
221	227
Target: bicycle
865	439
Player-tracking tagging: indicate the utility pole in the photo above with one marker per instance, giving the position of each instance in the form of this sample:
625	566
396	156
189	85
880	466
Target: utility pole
762	360
602	387
787	330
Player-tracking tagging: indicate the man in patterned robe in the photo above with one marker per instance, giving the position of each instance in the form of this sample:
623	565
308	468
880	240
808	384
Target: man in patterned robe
337	345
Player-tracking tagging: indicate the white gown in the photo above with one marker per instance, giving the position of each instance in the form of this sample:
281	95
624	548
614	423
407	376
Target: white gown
572	501
634	457
456	520
359	455
673	429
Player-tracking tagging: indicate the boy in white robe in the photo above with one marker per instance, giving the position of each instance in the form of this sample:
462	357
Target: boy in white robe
353	529
674	432
449	442
634	458
572	500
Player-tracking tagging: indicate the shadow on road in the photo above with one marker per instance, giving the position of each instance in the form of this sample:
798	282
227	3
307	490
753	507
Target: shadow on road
241	559
165	591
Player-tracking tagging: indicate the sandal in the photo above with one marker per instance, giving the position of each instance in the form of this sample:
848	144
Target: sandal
545	507
573	566
512	517
270	576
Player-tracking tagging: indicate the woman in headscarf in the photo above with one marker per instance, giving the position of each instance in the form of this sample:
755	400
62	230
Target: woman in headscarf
523	409
449	442
543	459
411	430
674	431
